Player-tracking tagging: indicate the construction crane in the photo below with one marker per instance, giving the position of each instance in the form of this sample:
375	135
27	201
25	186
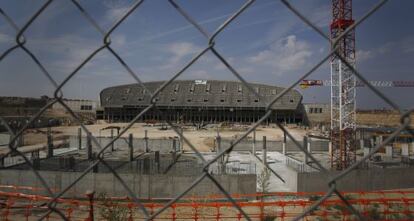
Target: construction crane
343	87
320	83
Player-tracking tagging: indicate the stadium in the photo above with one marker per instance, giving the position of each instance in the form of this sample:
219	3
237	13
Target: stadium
199	101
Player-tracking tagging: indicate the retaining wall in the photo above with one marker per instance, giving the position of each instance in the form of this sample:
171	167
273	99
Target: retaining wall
166	145
162	145
247	145
145	186
358	180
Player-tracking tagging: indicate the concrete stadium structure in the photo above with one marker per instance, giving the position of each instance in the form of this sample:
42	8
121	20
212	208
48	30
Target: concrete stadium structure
200	101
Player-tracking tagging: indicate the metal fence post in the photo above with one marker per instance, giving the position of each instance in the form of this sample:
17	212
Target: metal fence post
264	151
90	195
80	138
181	140
49	143
112	138
305	145
254	142
173	144
284	143
157	160
89	146
330	148
146	141
35	157
174	150
131	147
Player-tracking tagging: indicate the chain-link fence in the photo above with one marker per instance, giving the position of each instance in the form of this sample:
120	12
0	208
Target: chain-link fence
379	205
210	46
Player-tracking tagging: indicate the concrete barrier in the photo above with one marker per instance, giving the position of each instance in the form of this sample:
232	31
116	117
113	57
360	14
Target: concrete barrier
4	139
145	186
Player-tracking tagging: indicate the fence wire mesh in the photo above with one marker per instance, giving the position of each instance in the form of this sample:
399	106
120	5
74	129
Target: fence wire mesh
380	205
53	197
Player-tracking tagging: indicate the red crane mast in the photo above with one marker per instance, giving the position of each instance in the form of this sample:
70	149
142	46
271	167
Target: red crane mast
343	93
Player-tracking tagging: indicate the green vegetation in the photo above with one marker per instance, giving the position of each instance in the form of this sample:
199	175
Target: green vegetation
112	210
264	180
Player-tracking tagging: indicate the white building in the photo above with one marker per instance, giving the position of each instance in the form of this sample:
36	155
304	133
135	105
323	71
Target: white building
77	106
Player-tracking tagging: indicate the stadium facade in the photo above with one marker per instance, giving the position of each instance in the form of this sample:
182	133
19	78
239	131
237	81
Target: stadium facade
199	101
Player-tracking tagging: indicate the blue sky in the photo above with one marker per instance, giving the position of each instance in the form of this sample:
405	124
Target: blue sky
266	44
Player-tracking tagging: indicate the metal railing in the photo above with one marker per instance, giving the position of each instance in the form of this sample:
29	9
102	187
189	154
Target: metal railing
210	46
299	165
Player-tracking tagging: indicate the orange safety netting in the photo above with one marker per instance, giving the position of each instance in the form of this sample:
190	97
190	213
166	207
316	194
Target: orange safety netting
380	205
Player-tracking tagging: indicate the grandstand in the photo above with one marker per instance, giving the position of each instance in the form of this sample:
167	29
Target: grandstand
199	101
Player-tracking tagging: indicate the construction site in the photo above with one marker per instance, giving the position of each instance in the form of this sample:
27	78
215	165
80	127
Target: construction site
210	149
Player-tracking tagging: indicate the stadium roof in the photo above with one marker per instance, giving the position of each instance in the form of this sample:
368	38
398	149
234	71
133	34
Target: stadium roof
200	93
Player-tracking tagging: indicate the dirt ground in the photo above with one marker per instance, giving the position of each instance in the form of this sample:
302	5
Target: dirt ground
202	139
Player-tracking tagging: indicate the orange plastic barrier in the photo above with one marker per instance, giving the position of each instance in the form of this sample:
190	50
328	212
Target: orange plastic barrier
381	205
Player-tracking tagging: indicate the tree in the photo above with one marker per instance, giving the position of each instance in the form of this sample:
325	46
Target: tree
264	180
